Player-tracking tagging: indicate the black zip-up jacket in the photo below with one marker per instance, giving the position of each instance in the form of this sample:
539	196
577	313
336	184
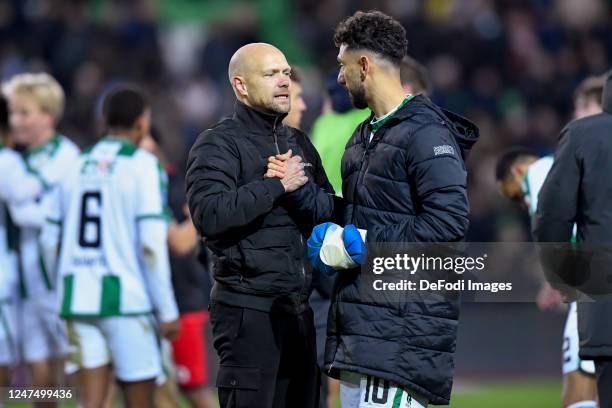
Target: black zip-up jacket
578	190
256	230
406	185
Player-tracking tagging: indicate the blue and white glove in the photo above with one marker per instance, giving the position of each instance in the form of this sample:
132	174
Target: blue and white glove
315	242
343	248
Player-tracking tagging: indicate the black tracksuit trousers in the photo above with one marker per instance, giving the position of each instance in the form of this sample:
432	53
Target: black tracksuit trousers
267	359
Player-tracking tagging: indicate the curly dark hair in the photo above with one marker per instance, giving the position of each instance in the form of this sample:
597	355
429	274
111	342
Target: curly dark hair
373	31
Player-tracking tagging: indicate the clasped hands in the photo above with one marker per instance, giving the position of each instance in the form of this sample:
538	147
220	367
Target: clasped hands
289	169
330	246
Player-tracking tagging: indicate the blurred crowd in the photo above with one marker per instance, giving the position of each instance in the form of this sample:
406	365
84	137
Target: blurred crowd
511	66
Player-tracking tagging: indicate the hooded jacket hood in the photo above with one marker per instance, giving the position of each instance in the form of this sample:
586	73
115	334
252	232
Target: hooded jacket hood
465	132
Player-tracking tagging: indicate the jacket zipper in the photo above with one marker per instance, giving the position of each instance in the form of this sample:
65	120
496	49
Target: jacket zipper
274	135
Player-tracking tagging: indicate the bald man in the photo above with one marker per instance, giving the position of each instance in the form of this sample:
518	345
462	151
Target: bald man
255	221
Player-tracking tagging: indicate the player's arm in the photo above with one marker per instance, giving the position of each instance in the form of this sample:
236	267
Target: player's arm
439	182
548	298
217	204
23	185
31	214
182	237
153	241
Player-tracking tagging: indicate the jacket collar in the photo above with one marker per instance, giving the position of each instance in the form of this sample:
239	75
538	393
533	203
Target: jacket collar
465	132
255	119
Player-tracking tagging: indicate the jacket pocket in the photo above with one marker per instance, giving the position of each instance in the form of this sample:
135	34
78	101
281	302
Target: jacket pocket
237	385
239	377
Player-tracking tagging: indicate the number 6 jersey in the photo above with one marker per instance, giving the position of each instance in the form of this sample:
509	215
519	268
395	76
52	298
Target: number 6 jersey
114	256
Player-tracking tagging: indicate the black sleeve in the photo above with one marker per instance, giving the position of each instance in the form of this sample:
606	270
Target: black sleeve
216	203
558	198
438	176
314	200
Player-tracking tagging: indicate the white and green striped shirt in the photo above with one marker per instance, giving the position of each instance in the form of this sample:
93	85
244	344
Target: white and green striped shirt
15	191
114	255
53	162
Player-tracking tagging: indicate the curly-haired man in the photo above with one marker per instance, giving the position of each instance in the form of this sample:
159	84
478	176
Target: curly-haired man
403	180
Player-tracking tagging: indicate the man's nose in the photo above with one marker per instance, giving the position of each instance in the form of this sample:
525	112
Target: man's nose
284	82
341	79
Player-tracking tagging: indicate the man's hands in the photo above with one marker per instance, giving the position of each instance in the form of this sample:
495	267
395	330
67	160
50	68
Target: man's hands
289	169
170	330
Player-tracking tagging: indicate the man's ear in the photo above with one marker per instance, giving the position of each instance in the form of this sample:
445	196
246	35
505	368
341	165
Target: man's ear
409	89
240	85
51	119
518	170
364	67
139	124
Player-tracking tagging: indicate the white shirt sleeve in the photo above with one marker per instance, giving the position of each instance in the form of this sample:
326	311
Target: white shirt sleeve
31	214
22	185
153	233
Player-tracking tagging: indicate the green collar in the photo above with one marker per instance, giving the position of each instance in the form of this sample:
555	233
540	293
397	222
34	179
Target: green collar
50	145
128	148
114	138
376	124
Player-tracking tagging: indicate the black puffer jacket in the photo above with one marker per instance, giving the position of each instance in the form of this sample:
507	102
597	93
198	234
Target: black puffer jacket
407	185
254	228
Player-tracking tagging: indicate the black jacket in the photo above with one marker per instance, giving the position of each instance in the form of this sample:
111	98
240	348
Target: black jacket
254	228
407	185
578	189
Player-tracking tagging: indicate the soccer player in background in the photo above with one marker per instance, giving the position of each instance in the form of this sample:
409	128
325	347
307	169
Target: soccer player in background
16	191
298	105
36	103
520	175
114	273
414	78
404	180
